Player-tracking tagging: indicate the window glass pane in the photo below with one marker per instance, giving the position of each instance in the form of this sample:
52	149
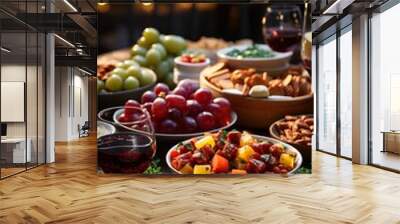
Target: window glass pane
31	97
385	84
14	153
346	94
327	96
41	98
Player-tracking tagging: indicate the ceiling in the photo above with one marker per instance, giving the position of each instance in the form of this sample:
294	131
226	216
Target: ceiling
73	20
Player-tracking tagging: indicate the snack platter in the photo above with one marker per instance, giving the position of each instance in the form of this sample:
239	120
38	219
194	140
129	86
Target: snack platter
191	96
248	82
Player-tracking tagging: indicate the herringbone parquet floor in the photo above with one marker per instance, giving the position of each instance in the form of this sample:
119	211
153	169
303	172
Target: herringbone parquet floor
69	191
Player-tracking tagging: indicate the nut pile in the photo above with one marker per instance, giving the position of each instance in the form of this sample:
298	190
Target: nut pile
213	44
296	129
294	83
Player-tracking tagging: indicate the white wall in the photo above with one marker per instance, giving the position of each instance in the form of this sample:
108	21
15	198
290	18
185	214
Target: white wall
14	73
71	103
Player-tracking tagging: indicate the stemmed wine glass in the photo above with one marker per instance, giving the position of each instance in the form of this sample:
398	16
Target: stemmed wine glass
133	147
282	27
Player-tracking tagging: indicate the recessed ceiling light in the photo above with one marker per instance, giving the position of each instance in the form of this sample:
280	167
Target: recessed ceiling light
64	40
84	71
5	50
70	5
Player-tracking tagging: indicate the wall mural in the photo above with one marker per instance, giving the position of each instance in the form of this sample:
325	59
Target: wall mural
204	89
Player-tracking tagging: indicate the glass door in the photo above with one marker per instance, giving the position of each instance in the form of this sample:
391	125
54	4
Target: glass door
22	77
13	103
345	108
385	90
326	96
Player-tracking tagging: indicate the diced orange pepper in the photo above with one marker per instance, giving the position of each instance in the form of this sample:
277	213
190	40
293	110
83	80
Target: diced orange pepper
237	171
220	164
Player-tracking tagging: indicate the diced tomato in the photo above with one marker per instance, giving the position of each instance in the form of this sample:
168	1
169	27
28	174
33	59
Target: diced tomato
283	171
175	164
208	152
266	147
199	157
256	166
276	169
186	58
234	137
261	147
257	147
229	151
220	164
193	58
187	155
276	150
256	156
174	154
182	149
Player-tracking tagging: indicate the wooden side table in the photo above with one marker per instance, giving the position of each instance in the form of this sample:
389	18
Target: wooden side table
391	141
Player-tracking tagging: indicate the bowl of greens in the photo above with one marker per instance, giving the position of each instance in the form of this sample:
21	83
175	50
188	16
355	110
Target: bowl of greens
258	56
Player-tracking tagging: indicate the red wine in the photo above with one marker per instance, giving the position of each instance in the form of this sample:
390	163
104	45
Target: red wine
125	152
282	40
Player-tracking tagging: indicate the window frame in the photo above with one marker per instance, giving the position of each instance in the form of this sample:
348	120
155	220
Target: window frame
339	32
29	29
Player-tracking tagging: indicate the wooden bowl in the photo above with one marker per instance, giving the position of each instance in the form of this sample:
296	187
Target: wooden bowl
304	150
260	113
298	161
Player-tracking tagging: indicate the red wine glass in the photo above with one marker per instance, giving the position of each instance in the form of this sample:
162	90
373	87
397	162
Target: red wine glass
130	150
282	27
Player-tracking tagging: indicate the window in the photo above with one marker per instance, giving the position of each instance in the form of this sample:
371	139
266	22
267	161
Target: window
346	92
22	77
326	101
385	89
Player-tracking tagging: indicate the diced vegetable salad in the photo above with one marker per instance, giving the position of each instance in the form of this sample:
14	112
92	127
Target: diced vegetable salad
231	152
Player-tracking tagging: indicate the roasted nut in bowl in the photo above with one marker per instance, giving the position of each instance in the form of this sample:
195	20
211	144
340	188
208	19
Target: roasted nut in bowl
296	131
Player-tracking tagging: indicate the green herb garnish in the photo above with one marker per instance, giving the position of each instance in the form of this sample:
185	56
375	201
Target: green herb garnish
251	52
154	167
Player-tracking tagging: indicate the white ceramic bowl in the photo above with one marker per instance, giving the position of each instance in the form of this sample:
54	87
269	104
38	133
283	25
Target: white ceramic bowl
298	161
184	70
275	65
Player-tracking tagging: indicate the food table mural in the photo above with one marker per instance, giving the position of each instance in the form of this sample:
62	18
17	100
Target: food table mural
170	105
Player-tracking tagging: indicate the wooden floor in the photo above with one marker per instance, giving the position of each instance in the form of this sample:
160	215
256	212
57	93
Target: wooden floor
69	191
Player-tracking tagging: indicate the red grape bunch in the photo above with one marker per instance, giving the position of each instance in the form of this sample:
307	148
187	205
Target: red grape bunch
185	109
